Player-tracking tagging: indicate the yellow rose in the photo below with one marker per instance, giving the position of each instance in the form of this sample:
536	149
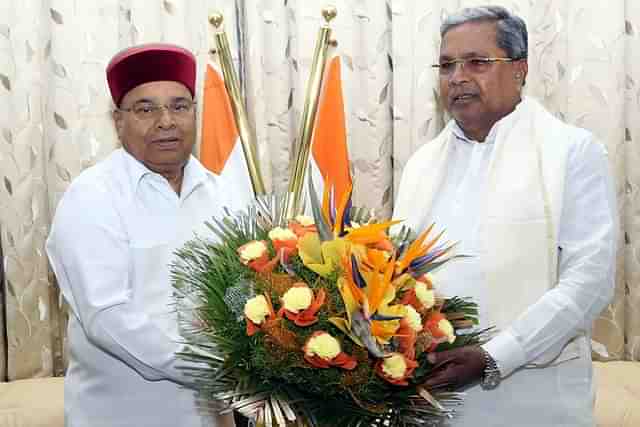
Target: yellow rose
280	233
252	251
413	318
297	298
425	295
257	309
447	328
394	366
304	220
324	346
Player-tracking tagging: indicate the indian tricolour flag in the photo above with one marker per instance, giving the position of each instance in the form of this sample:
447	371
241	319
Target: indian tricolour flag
220	146
329	158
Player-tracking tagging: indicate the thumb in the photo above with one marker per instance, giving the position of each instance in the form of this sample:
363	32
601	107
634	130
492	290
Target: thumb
436	358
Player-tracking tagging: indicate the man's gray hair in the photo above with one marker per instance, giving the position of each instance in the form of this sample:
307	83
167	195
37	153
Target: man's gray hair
511	29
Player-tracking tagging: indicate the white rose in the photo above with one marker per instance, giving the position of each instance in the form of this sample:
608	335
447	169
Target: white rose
252	250
324	346
413	318
280	233
394	366
304	220
297	298
425	295
257	309
447	328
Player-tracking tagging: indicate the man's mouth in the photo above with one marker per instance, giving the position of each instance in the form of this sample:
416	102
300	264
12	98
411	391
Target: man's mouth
463	98
167	142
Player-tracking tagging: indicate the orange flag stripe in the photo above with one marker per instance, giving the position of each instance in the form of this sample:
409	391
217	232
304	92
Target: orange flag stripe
330	136
219	130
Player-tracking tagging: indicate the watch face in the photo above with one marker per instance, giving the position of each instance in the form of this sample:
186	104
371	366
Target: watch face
491	380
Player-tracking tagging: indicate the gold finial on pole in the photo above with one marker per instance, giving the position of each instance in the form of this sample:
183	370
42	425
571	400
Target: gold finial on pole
216	19
329	13
247	137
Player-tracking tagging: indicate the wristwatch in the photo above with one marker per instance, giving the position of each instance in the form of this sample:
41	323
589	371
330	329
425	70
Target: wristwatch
491	376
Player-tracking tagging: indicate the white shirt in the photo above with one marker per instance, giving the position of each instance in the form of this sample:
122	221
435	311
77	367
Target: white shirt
111	242
456	210
559	395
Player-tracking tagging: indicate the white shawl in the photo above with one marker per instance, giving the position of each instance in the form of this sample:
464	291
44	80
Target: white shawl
519	228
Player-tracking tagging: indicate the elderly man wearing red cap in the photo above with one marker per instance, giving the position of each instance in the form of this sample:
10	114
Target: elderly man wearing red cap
113	238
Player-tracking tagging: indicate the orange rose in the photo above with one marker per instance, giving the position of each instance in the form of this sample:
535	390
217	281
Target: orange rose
298	307
285	242
396	368
323	351
302	225
406	339
440	328
257	311
255	255
421	296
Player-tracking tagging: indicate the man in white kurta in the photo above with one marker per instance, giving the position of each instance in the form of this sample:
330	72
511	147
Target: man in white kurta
111	243
531	200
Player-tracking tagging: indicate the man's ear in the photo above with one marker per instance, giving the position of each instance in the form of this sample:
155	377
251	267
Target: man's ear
118	121
523	69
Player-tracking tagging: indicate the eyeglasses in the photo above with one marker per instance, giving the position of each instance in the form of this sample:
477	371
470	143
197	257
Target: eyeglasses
149	110
472	65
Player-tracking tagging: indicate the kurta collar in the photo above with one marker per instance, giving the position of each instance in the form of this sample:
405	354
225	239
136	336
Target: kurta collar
194	173
491	138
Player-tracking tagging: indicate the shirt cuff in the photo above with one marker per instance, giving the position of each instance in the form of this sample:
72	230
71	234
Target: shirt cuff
506	351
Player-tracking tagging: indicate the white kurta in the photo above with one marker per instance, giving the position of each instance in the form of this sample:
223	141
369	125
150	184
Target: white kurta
560	394
110	246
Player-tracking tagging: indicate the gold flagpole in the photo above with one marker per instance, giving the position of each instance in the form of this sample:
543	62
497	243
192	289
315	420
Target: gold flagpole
247	138
297	177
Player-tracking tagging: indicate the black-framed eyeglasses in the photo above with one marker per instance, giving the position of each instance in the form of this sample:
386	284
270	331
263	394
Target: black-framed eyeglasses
149	110
473	65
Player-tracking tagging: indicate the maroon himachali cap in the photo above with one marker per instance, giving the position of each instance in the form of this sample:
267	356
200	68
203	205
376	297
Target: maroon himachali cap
149	63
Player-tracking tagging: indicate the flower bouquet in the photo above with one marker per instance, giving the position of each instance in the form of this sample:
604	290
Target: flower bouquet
319	321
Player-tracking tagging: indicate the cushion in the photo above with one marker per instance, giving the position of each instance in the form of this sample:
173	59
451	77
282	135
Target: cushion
32	403
618	394
40	402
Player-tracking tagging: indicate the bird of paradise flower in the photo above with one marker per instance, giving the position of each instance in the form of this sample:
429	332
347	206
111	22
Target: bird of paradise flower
372	270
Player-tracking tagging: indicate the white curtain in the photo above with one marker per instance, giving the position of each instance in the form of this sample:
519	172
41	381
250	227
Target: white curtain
55	113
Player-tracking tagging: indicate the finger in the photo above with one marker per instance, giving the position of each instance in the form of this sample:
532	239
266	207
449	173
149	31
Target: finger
442	363
436	383
437	357
440	386
445	376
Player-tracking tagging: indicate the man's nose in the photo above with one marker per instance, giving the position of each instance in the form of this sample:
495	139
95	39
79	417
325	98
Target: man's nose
459	74
165	118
